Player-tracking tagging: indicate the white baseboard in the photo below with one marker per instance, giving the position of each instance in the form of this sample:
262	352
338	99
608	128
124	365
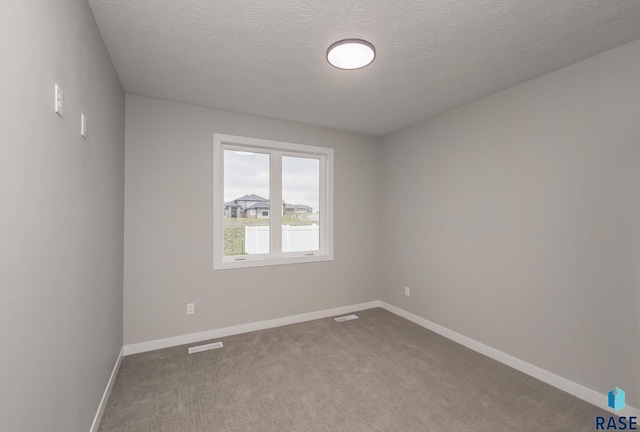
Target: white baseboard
244	328
554	380
105	396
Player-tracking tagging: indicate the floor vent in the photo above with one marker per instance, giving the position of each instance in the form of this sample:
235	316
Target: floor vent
206	347
346	318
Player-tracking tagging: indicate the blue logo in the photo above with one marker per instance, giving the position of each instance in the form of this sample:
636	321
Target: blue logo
616	402
616	399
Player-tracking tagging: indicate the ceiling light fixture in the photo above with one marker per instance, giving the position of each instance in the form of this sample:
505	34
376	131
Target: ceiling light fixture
351	54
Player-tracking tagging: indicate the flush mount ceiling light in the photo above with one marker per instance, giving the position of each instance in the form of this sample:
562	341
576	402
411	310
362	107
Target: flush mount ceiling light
351	54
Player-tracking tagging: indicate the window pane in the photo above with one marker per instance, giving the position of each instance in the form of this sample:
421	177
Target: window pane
246	202
301	197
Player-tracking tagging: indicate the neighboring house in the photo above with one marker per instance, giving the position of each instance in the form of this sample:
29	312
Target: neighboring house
297	209
238	207
249	200
248	206
231	209
259	210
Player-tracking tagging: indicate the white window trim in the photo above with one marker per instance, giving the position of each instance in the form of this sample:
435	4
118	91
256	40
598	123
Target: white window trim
277	148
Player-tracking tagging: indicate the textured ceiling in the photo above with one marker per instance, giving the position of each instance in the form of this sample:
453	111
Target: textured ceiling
267	57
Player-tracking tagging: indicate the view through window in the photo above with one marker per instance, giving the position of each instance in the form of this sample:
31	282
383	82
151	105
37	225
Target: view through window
274	201
246	196
301	195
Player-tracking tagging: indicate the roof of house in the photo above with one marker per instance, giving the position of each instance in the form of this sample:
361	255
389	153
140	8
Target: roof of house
297	206
251	197
231	204
260	205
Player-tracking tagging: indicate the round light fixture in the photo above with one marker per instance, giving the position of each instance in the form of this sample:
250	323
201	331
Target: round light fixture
351	54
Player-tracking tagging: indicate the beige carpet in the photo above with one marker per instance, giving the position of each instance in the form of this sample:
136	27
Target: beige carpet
378	373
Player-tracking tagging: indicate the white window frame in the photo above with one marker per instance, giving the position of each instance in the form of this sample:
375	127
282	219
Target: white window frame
276	150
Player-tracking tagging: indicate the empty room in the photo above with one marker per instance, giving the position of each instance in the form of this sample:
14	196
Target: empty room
292	216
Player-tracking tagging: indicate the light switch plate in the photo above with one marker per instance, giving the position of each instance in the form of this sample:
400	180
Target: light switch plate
59	101
83	126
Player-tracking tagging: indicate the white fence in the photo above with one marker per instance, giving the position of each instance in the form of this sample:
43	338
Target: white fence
294	238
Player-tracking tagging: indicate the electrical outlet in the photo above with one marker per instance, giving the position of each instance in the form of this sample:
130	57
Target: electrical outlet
407	291
191	308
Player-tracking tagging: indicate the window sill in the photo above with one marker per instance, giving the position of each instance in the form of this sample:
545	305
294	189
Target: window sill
227	263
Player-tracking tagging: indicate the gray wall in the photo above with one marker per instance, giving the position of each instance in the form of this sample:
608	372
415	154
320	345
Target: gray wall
516	221
61	217
169	226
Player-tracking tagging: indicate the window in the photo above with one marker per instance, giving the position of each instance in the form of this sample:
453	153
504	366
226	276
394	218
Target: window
273	202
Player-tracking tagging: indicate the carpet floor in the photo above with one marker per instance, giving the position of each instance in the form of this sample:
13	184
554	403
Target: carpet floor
377	373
